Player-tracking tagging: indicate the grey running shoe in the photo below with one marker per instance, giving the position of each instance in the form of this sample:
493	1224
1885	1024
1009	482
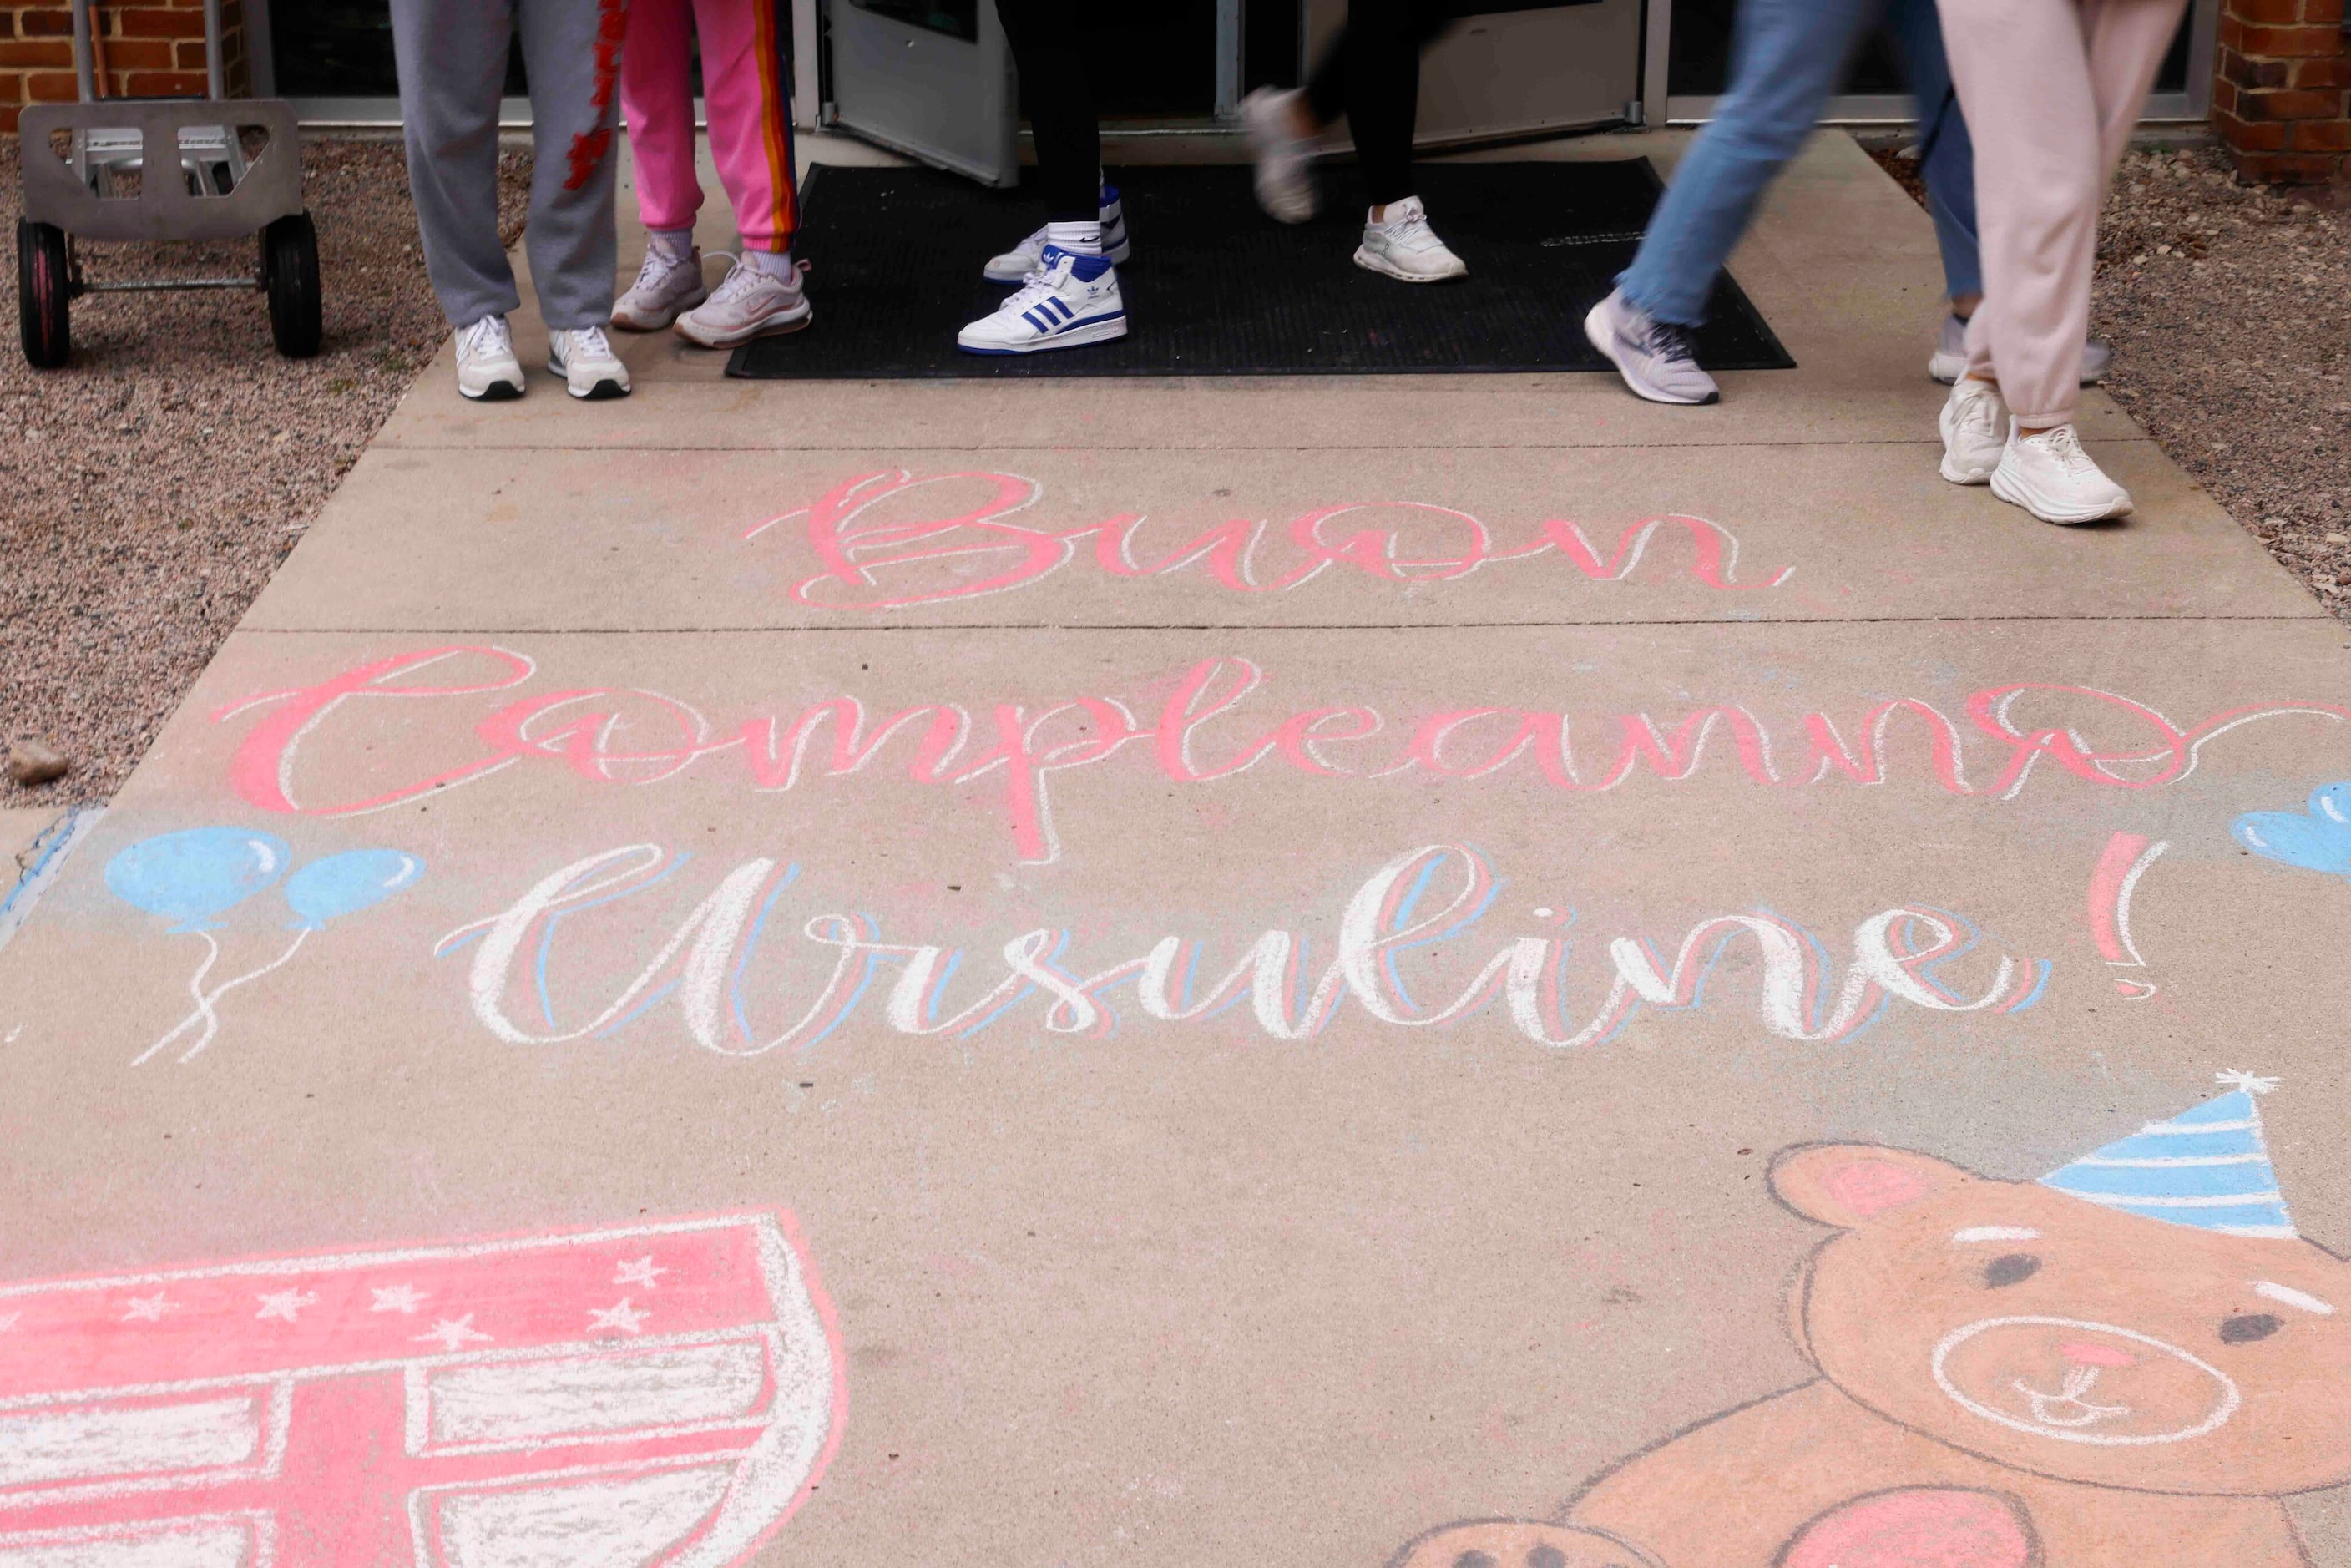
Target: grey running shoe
1655	358
1949	360
1285	160
1403	247
487	370
583	356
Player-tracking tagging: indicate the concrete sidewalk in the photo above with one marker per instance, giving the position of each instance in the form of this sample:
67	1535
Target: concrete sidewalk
1204	972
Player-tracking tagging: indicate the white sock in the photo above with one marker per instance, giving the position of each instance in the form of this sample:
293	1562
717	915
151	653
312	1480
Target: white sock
1077	239
674	243
774	263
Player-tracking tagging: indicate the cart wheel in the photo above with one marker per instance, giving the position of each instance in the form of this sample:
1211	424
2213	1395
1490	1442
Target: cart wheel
44	294
289	261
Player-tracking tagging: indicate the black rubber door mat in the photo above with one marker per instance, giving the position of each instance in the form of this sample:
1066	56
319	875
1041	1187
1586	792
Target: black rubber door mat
1217	288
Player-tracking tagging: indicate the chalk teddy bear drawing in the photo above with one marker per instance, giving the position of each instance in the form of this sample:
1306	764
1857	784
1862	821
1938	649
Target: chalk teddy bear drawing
2128	1363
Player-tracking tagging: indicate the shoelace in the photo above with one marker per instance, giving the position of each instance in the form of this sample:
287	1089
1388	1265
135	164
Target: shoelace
591	342
659	267
1035	289
1414	233
488	336
2065	447
742	277
1670	341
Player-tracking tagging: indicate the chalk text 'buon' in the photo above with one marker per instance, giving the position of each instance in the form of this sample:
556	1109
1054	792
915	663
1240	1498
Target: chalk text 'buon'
1205	723
874	557
1414	915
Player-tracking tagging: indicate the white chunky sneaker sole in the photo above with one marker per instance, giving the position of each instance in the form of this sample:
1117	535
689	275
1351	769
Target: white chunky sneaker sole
1076	336
1371	260
2017	493
629	320
1597	330
1960	472
601	390
494	388
774	325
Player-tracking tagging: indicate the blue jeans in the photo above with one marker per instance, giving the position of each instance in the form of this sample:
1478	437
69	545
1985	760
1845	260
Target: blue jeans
1787	58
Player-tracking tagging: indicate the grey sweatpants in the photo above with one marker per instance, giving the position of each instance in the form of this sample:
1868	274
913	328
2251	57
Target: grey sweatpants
452	57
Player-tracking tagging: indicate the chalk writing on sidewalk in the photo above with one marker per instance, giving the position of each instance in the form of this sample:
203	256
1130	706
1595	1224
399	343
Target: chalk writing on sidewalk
669	1391
879	551
1208	722
1400	938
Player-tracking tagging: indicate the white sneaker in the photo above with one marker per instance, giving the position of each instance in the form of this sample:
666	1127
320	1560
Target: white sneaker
1403	247
2051	476
1021	260
1974	422
584	359
1067	301
665	286
1285	160
1655	358
748	303
487	370
1948	362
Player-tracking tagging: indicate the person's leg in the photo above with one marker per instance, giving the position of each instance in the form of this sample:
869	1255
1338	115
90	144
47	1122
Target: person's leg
452	57
1789	55
571	52
1056	92
2127	42
751	143
657	100
750	114
1383	40
2024	79
1947	154
1324	99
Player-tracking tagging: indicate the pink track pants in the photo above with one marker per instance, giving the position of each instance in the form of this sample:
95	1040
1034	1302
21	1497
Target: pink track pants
2051	90
745	97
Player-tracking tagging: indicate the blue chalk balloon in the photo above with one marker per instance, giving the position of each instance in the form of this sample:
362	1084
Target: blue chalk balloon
2294	838
2331	803
348	882
194	874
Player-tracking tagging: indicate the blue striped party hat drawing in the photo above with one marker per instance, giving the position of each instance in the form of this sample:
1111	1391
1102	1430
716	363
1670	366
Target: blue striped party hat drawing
2208	1168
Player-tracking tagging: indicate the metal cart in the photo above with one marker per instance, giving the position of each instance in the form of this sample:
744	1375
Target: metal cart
149	169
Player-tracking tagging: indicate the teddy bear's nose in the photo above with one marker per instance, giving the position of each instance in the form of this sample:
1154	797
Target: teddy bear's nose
2082	1353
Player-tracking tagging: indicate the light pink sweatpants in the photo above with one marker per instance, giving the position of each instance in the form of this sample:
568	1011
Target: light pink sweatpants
2051	90
743	95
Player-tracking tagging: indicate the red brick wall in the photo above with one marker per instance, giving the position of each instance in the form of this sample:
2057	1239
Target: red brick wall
2282	88
154	49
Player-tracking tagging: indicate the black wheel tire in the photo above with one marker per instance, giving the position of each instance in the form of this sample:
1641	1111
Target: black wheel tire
289	261
44	294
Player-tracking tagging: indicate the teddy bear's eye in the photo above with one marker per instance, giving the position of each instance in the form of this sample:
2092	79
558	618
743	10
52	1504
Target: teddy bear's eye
2010	1268
2247	1327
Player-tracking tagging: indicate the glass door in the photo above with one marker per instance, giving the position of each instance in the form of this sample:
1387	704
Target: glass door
930	78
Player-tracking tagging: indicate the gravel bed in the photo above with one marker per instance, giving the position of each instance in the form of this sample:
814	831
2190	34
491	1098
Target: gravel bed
156	481
2229	309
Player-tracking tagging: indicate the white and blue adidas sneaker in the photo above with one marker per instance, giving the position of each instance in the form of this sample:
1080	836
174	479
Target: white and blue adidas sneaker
1019	262
1066	301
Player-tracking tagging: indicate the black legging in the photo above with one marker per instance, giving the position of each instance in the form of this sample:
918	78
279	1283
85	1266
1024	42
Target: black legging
1370	74
1048	48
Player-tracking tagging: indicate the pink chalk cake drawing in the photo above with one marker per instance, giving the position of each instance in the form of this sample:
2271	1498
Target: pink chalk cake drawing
665	1393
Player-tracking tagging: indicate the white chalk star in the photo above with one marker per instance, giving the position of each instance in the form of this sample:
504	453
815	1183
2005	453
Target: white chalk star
624	1317
396	1299
454	1334
643	1273
147	1309
287	1304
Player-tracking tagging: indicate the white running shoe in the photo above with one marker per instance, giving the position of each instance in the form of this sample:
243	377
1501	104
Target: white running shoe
1974	422
487	370
1403	247
748	303
2051	476
1655	358
1069	300
666	286
1018	263
1948	362
1285	160
583	356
